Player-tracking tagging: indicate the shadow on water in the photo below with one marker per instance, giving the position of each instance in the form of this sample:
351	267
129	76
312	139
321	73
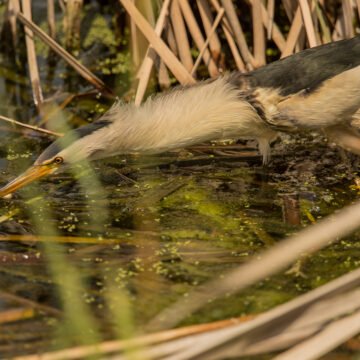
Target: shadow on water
174	220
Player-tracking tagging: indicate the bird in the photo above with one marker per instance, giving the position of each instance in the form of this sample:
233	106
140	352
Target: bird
315	89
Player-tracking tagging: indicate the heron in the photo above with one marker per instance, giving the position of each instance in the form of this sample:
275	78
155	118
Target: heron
316	89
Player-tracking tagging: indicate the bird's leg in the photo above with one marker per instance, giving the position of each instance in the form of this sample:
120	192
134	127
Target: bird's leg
264	142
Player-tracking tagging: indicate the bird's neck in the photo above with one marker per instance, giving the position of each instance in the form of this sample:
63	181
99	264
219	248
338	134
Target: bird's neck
186	116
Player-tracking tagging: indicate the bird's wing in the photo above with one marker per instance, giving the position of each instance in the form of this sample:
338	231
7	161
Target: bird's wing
308	69
332	103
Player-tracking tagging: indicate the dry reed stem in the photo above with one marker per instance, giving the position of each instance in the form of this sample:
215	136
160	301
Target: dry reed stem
308	22
264	265
62	239
280	333
330	338
211	33
274	330
258	33
238	33
81	69
72	23
31	56
30	303
326	35
290	7
135	52
163	76
278	328
207	21
270	12
348	18
170	38
294	34
358	7
13	7
148	62
145	8
338	32
17	314
230	38
51	18
180	34
148	11
35	128
150	339
161	48
198	37
276	34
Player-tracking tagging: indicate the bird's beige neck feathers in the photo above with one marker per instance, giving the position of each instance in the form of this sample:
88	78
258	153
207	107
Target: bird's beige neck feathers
208	111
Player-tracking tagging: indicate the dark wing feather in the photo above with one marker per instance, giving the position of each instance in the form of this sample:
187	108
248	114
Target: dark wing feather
309	68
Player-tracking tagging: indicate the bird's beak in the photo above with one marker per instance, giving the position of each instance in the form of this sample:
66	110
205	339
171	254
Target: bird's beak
33	173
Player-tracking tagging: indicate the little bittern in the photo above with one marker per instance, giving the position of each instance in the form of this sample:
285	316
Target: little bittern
316	89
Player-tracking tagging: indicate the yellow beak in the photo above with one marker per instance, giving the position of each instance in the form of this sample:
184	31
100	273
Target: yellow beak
33	173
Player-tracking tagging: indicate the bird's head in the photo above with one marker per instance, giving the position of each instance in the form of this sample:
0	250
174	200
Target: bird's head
85	143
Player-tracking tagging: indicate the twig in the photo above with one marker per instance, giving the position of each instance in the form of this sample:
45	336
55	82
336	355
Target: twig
35	128
211	33
81	69
161	48
31	56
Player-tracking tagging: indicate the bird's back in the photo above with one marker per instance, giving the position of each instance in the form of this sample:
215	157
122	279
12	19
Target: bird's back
309	68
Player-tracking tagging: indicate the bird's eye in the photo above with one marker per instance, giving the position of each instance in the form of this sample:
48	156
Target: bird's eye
58	160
